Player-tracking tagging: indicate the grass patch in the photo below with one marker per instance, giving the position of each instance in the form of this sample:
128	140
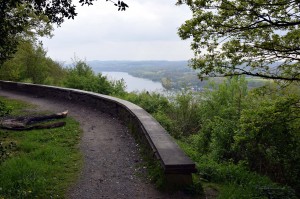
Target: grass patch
229	180
38	163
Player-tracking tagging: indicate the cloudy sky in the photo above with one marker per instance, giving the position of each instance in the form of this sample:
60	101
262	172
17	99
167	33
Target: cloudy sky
146	31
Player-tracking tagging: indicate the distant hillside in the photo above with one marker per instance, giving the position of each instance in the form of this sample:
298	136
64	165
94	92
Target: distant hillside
126	66
172	74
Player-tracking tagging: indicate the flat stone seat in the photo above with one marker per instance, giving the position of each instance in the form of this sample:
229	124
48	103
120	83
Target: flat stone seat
173	159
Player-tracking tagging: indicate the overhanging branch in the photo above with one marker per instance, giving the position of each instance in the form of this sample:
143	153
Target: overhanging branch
293	78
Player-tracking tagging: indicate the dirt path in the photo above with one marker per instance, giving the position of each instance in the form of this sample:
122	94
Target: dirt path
111	156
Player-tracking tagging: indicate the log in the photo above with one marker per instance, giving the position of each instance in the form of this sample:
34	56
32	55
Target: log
29	123
34	120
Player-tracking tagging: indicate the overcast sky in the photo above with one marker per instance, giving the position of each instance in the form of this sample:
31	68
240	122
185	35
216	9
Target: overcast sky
147	30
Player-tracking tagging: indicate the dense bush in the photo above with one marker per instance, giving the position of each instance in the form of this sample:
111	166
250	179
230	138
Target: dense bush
30	64
178	113
81	76
220	110
268	136
185	113
151	102
259	129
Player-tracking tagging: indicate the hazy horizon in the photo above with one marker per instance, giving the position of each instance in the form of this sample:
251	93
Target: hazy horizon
147	30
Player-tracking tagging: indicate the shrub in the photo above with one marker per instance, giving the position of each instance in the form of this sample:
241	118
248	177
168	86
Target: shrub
81	76
219	111
268	137
258	128
30	64
185	113
151	102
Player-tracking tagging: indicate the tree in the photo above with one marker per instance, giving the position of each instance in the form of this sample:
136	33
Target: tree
17	17
31	64
81	76
18	21
235	37
268	134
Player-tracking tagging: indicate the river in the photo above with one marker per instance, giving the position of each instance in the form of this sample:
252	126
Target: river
135	83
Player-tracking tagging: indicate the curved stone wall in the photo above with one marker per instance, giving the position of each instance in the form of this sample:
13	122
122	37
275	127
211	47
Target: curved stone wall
176	165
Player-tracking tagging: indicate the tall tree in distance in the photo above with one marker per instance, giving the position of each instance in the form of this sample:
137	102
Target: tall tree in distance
236	37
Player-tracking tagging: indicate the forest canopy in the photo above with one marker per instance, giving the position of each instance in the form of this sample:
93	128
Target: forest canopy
236	37
18	17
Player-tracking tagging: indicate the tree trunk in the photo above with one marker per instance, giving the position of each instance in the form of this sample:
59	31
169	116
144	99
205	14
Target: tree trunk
28	123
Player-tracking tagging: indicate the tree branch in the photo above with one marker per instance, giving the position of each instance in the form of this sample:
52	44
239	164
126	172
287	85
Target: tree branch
262	76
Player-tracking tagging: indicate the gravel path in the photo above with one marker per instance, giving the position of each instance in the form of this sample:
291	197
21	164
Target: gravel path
111	156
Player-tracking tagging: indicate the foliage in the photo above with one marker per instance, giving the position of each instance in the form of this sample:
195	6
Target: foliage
233	180
121	5
178	113
20	17
159	106
268	136
4	110
31	64
220	110
81	76
184	111
257	38
18	21
258	129
38	164
151	102
56	73
169	124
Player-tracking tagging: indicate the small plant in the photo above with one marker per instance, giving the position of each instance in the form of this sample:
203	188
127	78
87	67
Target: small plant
4	109
6	149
